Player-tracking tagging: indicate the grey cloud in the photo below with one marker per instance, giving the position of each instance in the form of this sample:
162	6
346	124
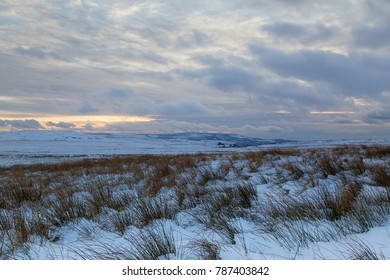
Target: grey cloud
344	121
89	17
285	29
232	78
377	10
265	93
373	31
165	76
250	129
151	57
121	93
167	126
38	53
64	125
297	98
144	55
268	92
194	38
178	57
157	35
378	116
88	109
289	31
258	4
160	126
208	60
181	108
21	124
293	2
372	37
362	74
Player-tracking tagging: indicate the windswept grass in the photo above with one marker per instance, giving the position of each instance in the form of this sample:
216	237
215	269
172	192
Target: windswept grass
295	197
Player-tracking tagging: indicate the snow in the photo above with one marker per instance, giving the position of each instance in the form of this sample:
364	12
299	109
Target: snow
83	238
46	146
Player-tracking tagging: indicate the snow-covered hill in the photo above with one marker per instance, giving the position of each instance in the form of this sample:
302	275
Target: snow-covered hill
45	146
32	146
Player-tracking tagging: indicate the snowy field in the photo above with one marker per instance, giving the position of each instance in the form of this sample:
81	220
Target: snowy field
21	147
192	196
26	147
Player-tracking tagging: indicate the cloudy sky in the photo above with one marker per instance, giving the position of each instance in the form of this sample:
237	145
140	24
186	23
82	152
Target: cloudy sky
295	69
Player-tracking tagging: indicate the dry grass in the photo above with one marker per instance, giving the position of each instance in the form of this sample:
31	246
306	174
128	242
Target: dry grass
347	188
205	250
380	175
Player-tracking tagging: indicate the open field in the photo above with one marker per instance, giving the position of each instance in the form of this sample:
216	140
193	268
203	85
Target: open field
274	203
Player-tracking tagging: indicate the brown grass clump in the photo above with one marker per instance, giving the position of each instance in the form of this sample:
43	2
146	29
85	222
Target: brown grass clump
380	175
377	151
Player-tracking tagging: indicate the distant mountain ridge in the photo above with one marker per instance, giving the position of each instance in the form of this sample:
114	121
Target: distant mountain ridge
222	139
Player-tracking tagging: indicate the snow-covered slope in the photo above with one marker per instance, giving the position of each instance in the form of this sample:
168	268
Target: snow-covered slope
40	146
33	146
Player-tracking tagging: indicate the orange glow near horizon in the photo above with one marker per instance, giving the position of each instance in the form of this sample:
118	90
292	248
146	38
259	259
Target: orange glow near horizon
79	121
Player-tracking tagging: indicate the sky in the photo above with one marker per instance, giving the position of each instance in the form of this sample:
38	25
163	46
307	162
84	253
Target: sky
293	69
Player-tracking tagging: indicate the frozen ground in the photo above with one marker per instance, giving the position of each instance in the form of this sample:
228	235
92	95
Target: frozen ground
154	197
23	147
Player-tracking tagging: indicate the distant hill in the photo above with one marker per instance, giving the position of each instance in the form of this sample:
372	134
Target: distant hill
221	139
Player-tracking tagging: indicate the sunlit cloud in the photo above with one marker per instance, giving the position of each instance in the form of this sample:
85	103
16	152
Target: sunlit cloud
69	122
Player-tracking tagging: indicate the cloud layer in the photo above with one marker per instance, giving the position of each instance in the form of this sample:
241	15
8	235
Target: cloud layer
293	69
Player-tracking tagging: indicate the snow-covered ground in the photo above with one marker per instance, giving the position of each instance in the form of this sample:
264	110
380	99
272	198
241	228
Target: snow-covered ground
142	196
23	147
36	146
